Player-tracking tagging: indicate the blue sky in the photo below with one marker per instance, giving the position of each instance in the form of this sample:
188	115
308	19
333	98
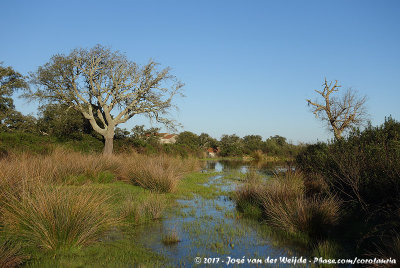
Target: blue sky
248	66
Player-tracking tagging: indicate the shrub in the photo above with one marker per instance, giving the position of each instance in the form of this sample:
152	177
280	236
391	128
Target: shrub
327	250
363	169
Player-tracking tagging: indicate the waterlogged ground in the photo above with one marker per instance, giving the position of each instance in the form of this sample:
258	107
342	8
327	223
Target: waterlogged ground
209	228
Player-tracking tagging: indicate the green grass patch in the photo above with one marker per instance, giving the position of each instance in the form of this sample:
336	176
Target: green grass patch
194	184
122	253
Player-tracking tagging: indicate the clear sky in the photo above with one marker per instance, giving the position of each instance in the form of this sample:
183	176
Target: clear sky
248	66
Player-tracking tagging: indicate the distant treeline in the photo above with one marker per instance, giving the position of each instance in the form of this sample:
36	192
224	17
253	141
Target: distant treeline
58	124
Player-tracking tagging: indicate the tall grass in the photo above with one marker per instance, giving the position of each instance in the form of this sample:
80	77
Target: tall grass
137	210
10	255
46	201
54	217
57	167
286	206
158	173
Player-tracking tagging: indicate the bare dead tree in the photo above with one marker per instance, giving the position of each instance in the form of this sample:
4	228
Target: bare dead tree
340	113
106	88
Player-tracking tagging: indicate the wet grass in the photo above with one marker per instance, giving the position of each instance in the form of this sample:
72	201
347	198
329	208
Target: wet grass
121	253
118	247
67	209
196	218
171	238
194	184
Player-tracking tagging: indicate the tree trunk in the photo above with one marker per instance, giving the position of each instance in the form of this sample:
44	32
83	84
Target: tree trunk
108	145
337	133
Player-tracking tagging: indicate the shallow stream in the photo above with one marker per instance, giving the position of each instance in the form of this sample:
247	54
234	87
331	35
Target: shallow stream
212	228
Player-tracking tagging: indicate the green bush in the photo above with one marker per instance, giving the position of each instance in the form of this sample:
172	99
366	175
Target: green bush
363	170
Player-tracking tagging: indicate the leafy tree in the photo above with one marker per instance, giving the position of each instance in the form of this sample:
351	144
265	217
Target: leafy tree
10	119
342	113
231	145
252	143
139	132
279	140
59	121
206	141
188	139
106	87
121	133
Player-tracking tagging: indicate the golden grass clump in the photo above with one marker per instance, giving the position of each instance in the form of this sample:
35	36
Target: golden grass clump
54	217
286	206
157	173
10	255
57	167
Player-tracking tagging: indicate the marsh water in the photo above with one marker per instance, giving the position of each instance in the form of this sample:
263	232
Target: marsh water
212	228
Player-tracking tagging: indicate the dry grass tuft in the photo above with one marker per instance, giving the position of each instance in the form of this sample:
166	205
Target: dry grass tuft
257	155
53	217
388	250
10	255
158	173
59	167
286	207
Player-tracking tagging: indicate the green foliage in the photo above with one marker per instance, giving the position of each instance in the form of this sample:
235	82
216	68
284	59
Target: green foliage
206	141
363	170
252	143
10	119
121	133
188	139
139	132
278	146
61	121
231	145
26	142
313	158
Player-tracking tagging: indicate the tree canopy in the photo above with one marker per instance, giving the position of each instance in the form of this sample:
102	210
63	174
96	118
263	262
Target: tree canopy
10	119
107	88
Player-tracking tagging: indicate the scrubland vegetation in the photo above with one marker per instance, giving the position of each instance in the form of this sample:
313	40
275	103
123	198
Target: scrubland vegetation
342	200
